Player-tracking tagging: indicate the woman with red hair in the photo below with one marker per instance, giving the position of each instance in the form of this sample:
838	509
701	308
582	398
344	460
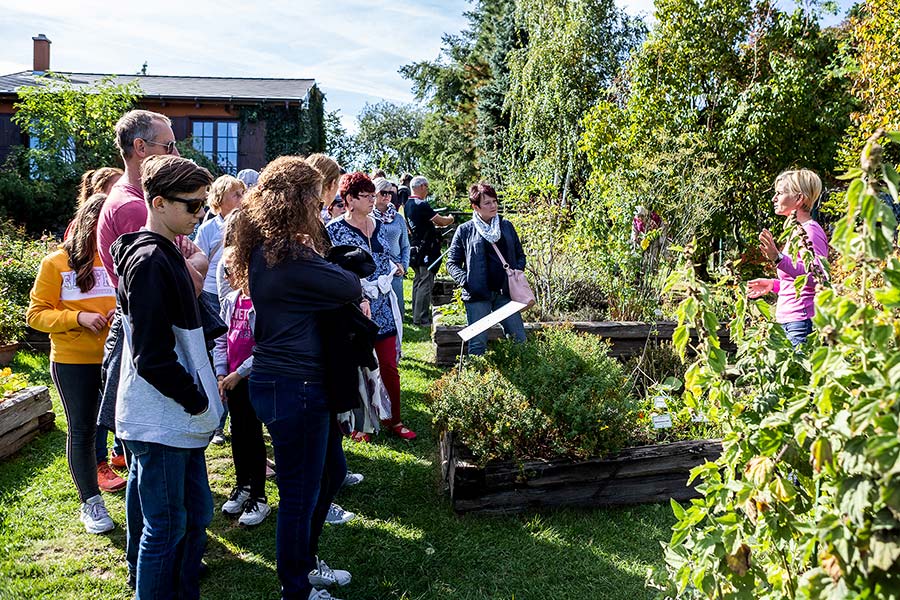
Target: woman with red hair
358	228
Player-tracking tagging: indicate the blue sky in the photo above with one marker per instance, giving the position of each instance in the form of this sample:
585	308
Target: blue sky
352	48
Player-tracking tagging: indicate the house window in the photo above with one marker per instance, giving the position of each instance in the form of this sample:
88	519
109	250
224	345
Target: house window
66	153
219	141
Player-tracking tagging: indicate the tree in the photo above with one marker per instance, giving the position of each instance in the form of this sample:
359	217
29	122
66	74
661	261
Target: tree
72	131
875	49
388	136
339	144
451	86
575	50
738	91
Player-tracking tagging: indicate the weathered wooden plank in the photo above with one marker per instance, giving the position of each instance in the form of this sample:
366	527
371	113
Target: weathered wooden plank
23	407
656	488
633	476
16	439
627	338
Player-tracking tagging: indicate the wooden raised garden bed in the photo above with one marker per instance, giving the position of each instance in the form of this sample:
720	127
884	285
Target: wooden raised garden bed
23	416
442	293
627	337
633	476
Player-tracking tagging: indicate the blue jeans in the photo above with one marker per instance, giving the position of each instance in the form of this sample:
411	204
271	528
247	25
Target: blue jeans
397	284
177	506
296	414
798	331
512	325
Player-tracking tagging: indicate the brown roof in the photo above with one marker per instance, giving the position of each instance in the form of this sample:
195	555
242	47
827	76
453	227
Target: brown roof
176	87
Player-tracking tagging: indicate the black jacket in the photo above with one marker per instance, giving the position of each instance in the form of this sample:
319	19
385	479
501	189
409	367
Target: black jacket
470	254
348	336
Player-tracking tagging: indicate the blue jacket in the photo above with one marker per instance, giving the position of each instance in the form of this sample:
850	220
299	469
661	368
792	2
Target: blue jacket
467	258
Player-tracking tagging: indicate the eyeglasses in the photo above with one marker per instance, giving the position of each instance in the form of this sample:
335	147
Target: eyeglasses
170	146
386	194
366	196
193	205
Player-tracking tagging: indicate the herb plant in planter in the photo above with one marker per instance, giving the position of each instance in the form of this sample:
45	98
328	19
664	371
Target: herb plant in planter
544	423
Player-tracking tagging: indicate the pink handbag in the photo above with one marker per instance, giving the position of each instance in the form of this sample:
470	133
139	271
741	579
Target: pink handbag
519	290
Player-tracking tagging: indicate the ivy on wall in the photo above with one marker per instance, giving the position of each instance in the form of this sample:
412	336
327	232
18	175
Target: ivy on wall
291	129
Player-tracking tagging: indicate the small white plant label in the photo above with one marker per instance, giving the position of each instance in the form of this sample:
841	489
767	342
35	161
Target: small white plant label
659	402
661	421
698	418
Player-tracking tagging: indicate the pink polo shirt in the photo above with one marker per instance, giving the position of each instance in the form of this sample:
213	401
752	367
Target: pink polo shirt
123	212
790	307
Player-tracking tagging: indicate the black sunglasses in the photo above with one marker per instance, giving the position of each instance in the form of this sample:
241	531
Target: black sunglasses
193	205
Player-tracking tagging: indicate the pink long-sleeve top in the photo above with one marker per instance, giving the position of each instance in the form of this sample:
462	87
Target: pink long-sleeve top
790	307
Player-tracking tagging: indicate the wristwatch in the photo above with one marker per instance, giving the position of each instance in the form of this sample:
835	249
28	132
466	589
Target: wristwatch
778	258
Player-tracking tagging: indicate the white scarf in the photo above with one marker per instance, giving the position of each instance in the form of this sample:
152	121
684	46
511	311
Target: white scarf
387	216
491	233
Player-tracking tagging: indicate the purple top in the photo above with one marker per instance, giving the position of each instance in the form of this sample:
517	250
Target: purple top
240	333
790	307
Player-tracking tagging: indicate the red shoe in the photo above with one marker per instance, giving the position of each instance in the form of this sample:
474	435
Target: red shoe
402	431
108	480
359	436
117	461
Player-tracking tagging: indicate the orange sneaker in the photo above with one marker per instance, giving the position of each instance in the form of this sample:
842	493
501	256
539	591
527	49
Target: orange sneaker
108	480
117	461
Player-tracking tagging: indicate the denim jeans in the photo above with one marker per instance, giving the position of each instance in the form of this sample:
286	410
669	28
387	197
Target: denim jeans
296	414
798	331
512	325
397	285
177	507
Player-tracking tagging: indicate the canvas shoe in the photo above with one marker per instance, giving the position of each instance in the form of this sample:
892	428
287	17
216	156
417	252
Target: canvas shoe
353	479
324	576
107	480
255	512
338	516
218	437
315	594
235	503
95	517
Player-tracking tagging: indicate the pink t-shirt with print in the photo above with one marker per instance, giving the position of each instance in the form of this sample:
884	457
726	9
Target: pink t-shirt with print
240	334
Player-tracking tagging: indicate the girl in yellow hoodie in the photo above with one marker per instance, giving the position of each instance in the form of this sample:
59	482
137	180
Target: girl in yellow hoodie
73	300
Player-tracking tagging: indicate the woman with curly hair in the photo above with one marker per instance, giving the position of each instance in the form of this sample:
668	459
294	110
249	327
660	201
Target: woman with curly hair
358	228
278	237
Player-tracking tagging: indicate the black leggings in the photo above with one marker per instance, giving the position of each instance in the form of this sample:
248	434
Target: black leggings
79	390
248	449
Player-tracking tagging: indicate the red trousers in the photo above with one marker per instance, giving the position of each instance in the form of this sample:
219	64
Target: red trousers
386	350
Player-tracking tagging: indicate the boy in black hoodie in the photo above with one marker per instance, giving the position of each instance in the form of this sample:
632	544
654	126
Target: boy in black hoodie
167	404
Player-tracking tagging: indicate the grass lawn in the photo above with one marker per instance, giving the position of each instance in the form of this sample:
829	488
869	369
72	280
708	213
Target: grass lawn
406	542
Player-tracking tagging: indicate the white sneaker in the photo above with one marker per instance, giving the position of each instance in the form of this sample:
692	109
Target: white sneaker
353	479
235	503
95	517
218	437
255	512
324	576
338	516
315	594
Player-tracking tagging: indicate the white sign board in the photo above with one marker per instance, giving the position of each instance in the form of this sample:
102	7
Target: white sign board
662	421
485	323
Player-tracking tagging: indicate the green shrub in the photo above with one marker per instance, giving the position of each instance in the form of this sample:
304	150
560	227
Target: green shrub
20	258
558	394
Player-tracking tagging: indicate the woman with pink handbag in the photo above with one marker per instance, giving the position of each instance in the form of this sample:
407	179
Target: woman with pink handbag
486	259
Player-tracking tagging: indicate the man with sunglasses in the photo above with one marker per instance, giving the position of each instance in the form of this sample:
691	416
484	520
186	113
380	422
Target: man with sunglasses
139	135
